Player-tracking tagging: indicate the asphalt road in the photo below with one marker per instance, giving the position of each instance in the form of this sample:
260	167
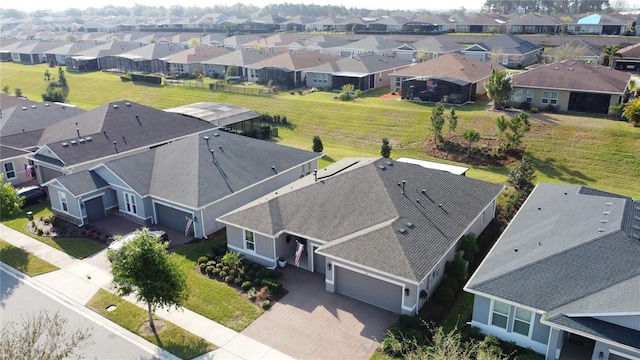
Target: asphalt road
18	298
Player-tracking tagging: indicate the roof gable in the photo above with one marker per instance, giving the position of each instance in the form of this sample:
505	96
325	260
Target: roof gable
453	66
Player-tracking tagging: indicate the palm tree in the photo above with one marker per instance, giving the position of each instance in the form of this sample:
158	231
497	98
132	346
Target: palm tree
498	88
608	53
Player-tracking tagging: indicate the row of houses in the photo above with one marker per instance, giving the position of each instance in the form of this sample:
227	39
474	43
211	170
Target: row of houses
599	24
562	279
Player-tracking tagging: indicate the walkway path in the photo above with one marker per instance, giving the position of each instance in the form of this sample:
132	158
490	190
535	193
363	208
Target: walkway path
77	281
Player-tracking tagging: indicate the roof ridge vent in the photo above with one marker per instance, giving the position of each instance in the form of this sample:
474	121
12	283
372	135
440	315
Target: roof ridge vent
88	138
33	106
115	106
65	144
24	108
82	140
73	142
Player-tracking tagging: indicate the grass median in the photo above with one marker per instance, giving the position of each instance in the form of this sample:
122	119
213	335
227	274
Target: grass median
22	261
131	317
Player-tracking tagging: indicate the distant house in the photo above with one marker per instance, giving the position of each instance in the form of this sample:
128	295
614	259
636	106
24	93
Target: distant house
570	86
323	24
508	50
446	75
186	61
629	59
379	45
33	52
534	24
431	47
60	54
241	59
582	51
379	231
364	72
601	24
564	278
428	23
288	69
184	185
483	23
99	57
145	59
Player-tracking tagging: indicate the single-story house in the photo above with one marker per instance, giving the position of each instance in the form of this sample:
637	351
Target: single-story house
99	57
108	132
564	277
379	45
33	51
577	49
229	117
146	59
629	59
365	72
601	24
217	67
445	75
379	230
483	23
534	24
288	69
508	50
198	178
431	47
186	61
570	86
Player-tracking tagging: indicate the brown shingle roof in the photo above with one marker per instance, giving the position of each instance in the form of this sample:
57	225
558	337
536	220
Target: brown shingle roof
452	65
297	60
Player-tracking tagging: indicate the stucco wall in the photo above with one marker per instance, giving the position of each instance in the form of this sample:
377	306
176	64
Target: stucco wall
263	253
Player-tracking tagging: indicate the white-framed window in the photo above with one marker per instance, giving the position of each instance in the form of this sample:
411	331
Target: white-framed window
249	240
529	96
505	59
130	204
500	314
545	97
9	170
64	206
554	98
517	95
522	321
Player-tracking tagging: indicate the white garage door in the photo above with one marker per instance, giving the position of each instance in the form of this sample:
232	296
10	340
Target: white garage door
477	56
367	289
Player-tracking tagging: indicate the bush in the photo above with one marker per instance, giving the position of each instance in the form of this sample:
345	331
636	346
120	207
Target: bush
263	294
408	321
534	110
202	259
210	269
457	268
445	295
222	274
265	304
266	273
229	279
225	268
39	231
452	283
274	286
251	294
211	262
237	281
219	249
203	268
216	272
233	272
246	286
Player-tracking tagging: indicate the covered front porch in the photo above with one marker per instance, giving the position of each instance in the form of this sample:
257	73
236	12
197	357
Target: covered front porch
289	245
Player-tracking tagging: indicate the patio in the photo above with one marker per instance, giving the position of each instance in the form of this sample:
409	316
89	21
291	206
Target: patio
311	323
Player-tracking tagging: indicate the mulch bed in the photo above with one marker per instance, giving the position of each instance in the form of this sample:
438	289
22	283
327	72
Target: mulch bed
65	229
390	96
482	152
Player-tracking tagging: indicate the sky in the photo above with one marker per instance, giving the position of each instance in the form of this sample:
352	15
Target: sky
33	5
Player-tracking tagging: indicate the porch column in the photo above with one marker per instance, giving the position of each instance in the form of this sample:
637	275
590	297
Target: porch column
554	345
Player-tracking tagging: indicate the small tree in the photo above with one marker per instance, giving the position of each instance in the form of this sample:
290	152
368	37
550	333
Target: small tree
194	42
631	112
317	144
18	92
6	89
10	202
498	88
345	94
232	70
62	78
198	74
47	76
608	53
453	121
54	94
469	246
502	125
386	148
437	122
523	175
519	126
144	267
52	63
470	136
43	336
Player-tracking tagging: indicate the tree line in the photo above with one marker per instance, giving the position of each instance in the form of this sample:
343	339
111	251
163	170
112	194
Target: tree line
549	7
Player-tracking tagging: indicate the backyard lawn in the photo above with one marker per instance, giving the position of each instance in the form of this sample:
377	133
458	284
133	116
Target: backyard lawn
76	247
574	149
23	261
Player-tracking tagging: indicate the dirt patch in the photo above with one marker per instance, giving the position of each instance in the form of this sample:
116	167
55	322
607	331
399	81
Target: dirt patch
390	96
483	152
145	328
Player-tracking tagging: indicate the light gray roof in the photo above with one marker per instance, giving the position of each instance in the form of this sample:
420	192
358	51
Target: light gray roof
215	113
570	250
360	64
437	44
359	213
82	182
240	57
7	152
509	44
373	43
184	172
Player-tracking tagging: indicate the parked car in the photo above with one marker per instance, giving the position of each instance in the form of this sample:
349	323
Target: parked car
32	195
118	244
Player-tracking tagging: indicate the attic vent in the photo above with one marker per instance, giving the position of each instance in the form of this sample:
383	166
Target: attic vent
381	167
88	138
602	221
402	231
216	134
570	69
128	104
24	108
556	68
115	106
33	106
64	144
82	140
73	142
389	163
609	203
46	105
607	212
409	225
602	229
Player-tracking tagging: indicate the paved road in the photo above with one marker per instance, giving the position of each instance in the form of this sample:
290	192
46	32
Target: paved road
18	298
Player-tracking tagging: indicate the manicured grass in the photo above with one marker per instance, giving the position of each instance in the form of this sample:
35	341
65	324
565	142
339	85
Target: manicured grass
131	317
582	150
23	261
460	313
210	298
76	247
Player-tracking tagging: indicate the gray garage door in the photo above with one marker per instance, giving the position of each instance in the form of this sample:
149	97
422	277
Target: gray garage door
617	357
478	56
370	290
95	209
173	218
319	262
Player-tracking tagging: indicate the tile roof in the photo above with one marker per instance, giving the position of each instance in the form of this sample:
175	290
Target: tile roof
568	251
573	75
359	213
455	66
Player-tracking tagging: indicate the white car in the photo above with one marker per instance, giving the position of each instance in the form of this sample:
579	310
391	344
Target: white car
118	244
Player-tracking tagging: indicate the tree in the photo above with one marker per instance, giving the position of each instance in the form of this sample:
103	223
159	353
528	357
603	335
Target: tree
502	125
54	94
569	51
523	175
317	144
631	112
18	92
144	266
42	336
62	78
194	42
437	122
469	246
453	120
498	88
232	70
345	94
470	136
6	89
519	126
47	76
10	202
386	148
608	53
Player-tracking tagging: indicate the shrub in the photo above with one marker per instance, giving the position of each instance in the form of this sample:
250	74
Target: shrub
265	304
274	286
202	259
534	110
210	269
452	283
251	294
358	93
263	294
237	281
39	231
231	259
445	295
233	272
219	249
222	274
292	93
246	285
457	268
229	279
226	268
203	268
266	273
408	321
216	272
211	262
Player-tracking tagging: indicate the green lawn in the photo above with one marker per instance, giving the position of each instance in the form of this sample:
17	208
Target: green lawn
460	313
131	317
210	298
76	247
566	148
23	261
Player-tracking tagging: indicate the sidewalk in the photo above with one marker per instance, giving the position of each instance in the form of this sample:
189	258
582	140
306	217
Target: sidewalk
77	281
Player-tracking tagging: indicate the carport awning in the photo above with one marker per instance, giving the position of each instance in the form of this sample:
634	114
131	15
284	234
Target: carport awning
350	74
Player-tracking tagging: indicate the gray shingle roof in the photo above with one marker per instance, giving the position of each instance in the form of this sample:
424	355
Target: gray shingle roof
7	152
509	44
33	116
600	329
183	171
577	253
82	182
358	214
362	64
240	58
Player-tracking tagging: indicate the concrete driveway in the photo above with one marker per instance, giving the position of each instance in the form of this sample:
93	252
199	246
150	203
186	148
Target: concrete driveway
311	323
